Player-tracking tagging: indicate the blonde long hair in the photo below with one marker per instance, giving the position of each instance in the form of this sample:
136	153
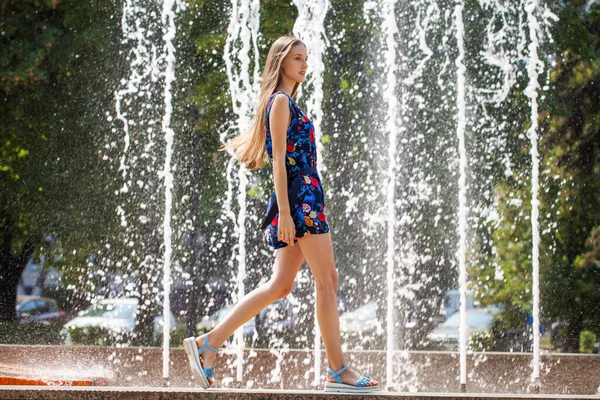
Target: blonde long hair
249	147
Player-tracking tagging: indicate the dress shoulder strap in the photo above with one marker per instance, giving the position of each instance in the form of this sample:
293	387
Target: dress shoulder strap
272	98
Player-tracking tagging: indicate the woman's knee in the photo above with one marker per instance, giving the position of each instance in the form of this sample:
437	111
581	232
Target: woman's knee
328	282
279	289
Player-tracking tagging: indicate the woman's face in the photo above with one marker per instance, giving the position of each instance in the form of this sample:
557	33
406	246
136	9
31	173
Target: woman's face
294	65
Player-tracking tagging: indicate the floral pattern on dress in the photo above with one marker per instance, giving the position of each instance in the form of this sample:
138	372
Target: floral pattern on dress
308	212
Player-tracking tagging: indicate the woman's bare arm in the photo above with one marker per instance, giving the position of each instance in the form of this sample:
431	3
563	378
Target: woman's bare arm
279	121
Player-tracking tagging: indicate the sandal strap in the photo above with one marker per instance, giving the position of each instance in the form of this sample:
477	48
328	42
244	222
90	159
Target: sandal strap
336	374
205	346
208	372
362	382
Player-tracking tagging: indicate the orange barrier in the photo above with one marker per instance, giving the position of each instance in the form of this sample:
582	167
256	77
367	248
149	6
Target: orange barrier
14	375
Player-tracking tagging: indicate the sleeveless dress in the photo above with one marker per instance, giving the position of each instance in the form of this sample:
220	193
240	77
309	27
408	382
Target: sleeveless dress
305	191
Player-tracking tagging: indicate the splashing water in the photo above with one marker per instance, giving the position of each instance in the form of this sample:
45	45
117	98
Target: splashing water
149	64
168	20
533	65
309	27
462	191
243	26
143	69
400	260
588	5
390	28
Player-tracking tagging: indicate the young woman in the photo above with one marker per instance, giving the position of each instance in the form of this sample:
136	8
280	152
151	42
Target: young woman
296	224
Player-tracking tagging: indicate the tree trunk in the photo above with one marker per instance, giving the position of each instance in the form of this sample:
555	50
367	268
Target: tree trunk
11	269
574	326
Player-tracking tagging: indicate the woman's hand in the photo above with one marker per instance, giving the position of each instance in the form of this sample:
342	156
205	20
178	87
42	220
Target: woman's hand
286	231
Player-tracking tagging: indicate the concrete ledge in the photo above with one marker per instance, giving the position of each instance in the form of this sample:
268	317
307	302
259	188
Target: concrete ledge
293	370
139	393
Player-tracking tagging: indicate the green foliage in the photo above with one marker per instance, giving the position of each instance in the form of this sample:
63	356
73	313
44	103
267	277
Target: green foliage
572	145
570	182
481	341
51	184
30	334
587	340
98	336
176	340
513	246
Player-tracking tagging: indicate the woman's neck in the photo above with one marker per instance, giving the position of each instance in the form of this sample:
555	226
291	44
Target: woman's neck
286	87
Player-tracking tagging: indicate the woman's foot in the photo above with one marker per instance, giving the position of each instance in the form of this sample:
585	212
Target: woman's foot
207	358
199	359
351	377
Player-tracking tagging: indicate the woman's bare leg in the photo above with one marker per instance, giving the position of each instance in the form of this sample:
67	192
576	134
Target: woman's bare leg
287	264
318	252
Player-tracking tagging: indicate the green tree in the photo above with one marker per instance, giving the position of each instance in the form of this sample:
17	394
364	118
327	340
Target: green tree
571	289
570	182
51	175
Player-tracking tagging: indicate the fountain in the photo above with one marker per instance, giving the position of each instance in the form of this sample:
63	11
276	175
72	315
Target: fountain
243	26
309	27
168	20
388	15
462	192
533	64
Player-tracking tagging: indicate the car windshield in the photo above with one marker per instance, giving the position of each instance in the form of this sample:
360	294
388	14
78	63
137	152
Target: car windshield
110	310
474	320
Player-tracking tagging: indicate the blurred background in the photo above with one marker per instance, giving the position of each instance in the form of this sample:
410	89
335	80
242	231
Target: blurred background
82	152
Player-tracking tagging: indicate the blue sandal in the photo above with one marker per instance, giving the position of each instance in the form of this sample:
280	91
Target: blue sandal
361	385
200	373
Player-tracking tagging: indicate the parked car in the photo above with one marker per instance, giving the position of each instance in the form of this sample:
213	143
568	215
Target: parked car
478	320
451	305
116	315
40	310
361	320
451	302
209	322
360	328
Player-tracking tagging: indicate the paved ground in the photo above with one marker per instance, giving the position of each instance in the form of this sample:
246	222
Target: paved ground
151	393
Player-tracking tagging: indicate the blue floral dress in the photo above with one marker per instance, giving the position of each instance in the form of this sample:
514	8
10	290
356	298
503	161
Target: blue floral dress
305	191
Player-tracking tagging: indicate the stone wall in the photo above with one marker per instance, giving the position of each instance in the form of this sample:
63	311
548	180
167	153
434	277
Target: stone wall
433	372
